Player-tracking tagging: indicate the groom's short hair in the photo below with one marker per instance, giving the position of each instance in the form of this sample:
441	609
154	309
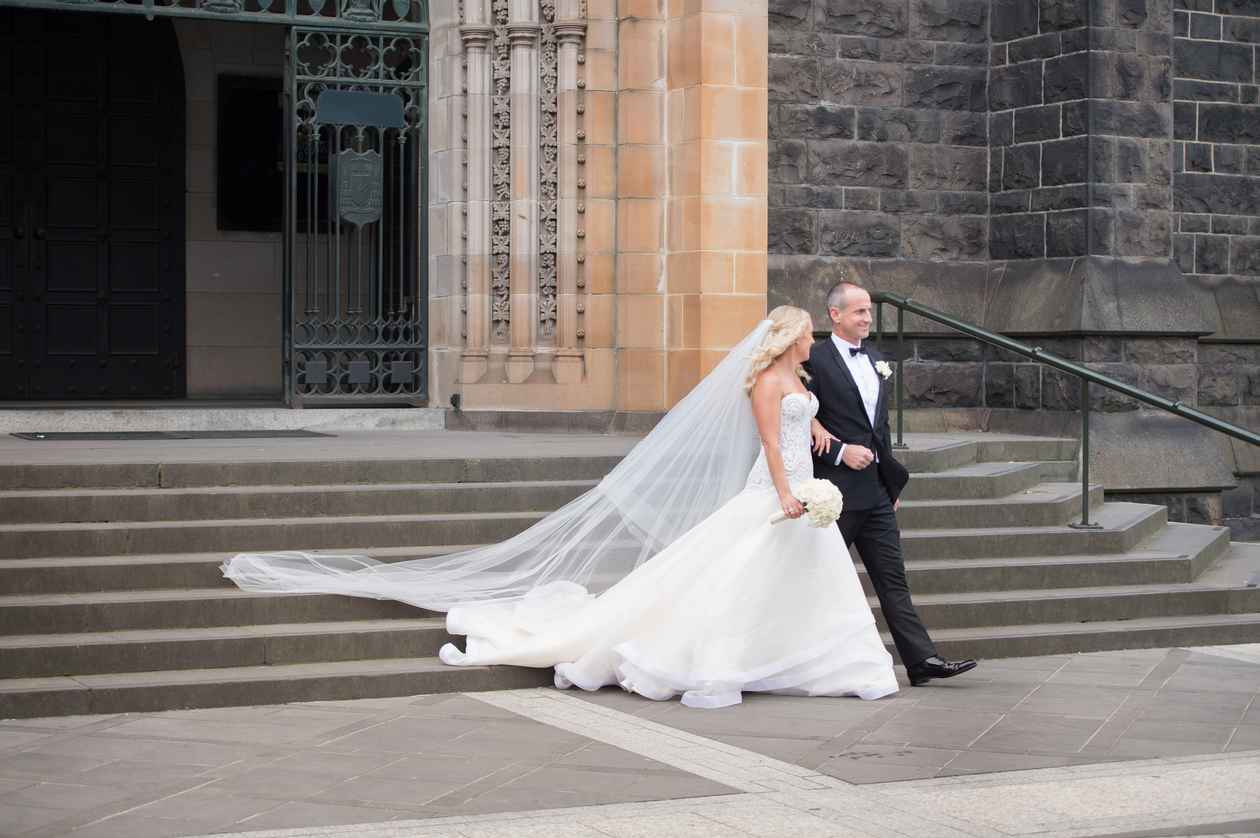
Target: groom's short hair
835	297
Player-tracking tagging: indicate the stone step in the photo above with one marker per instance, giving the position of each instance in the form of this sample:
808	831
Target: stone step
1175	554
247	502
272	472
937	454
20	541
986	480
141	692
90	613
48	655
1045	504
83	574
1122	526
1078	605
1100	636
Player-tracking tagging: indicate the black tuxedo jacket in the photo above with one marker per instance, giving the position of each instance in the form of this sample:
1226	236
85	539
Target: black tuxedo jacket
841	412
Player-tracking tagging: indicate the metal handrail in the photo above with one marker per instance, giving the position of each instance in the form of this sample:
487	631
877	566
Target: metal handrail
1084	374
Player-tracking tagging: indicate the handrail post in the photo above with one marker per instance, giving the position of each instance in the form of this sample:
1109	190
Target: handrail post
1085	522
901	358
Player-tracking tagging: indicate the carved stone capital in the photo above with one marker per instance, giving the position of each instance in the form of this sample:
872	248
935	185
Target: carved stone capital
524	34
570	31
476	35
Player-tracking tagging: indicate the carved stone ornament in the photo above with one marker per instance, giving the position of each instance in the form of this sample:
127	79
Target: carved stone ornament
548	174
359	186
500	175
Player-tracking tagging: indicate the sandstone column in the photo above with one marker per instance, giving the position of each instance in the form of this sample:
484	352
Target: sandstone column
567	364
523	32
477	35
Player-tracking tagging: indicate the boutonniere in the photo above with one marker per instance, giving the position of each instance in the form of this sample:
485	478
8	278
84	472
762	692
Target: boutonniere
883	369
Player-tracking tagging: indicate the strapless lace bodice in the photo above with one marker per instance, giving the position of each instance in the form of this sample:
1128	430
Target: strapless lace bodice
795	412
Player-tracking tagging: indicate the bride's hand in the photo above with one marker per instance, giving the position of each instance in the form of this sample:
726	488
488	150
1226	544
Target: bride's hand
822	438
792	507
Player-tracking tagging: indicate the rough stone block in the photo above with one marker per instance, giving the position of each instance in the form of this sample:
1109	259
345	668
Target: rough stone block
1247	8
898	125
962	55
1097	348
1022	166
950	349
1226	354
1016	86
1229	159
1196	223
1211	254
1013	386
1245	255
1063	14
1031	49
1001	128
1012	19
1233	225
816	121
1132	157
1060	198
1229	194
1038	123
1152	351
1065	233
1183	252
1004	203
964	203
1185	121
1242	29
1143	233
950	20
1102	226
964	128
943	385
900	51
947	167
898	200
1219	389
1114	75
879	165
793	79
1177	382
813	197
1205	91
862	49
935	237
1181	24
1253	161
858	234
1065	161
877	18
860	82
1067	77
947	88
1198	157
1220	123
1017	236
1130	119
787	161
1213	61
861	199
998	55
1075	118
792	231
789	13
1115	195
1132	13
802	44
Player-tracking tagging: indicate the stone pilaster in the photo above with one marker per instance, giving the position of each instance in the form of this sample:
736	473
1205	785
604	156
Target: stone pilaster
476	114
567	364
523	34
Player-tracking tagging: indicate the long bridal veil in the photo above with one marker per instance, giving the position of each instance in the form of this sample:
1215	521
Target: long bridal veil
695	459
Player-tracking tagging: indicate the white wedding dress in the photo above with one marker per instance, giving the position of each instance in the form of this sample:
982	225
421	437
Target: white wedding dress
734	605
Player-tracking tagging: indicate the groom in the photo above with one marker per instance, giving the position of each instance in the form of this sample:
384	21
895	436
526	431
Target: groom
852	449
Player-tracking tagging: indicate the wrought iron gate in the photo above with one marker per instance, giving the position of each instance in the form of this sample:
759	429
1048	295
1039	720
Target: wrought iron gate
354	218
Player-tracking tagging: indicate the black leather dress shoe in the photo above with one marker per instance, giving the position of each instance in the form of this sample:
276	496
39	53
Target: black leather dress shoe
935	667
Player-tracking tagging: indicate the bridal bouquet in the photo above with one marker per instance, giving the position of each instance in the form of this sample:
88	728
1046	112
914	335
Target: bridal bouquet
822	500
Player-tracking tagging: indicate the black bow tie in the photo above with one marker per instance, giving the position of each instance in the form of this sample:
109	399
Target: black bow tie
854	351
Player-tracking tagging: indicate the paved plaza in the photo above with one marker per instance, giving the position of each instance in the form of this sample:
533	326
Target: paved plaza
1152	743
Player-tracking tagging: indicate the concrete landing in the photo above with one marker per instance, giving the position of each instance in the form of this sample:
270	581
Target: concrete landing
1155	742
194	416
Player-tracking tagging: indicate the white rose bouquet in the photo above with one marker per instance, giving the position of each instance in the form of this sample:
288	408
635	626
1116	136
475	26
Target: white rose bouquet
822	500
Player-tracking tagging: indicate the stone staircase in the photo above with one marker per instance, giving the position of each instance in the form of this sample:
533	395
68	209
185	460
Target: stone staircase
111	598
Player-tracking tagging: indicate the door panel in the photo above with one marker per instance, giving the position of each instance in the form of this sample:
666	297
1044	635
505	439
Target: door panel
97	158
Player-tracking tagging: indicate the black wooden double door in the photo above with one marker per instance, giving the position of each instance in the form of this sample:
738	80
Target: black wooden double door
91	207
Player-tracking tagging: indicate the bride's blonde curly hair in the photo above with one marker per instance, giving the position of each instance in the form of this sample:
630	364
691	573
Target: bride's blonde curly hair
787	324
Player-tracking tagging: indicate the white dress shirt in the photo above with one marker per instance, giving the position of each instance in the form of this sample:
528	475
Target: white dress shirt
864	375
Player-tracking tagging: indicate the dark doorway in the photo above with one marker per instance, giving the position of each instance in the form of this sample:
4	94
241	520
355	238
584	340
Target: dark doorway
91	207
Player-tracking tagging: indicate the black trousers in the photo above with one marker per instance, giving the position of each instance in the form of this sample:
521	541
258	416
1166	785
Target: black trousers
875	534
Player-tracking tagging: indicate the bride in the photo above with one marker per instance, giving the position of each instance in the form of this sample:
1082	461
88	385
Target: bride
668	577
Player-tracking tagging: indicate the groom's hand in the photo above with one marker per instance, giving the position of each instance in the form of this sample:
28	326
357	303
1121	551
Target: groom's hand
857	457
